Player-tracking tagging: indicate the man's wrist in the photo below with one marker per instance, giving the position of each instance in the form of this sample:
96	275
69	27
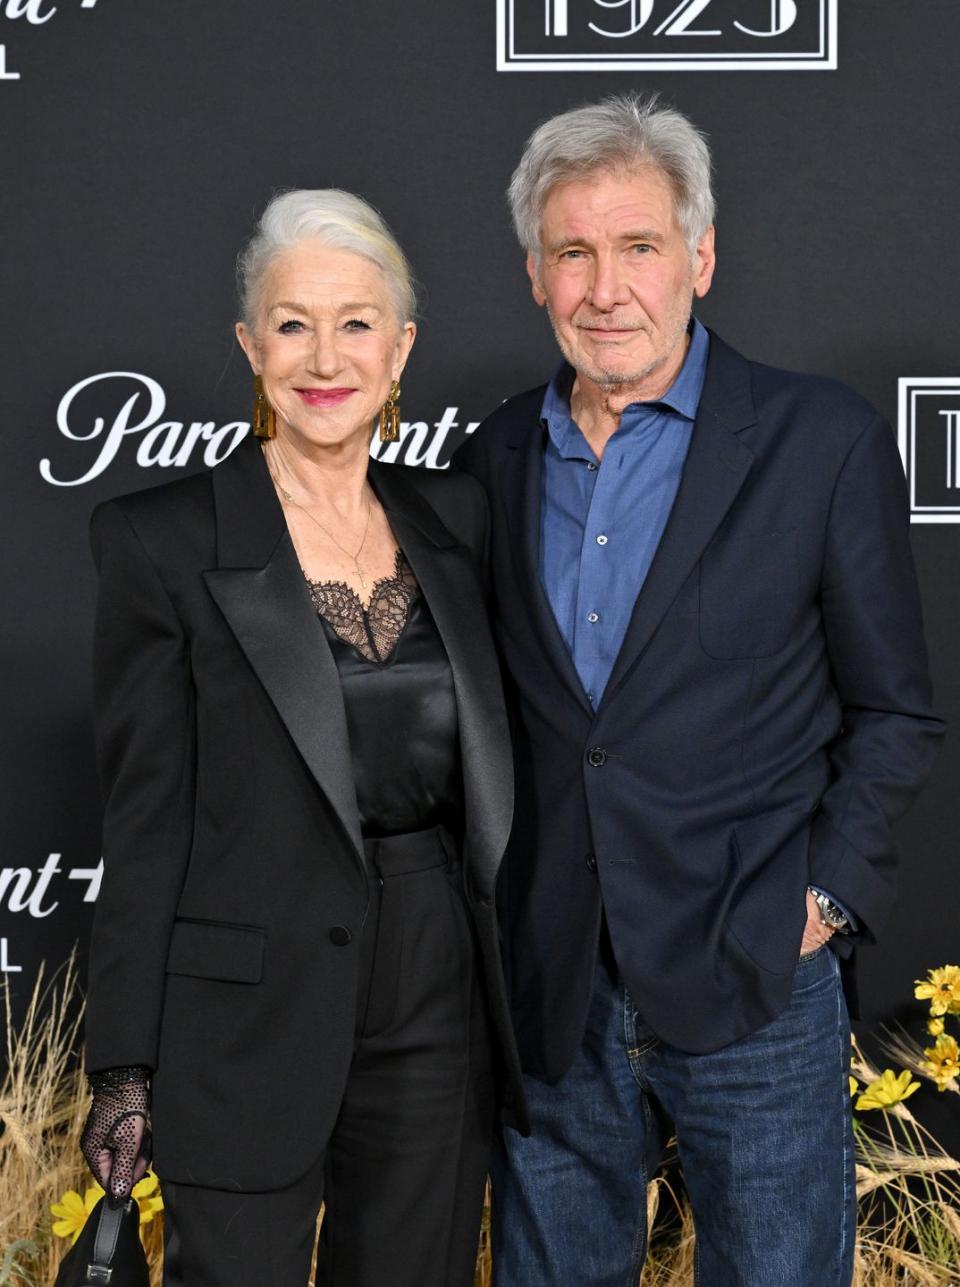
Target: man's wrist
832	915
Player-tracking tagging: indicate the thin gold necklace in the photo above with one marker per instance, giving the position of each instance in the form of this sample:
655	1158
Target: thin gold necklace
354	558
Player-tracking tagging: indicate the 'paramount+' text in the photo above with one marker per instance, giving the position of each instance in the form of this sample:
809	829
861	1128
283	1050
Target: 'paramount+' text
128	412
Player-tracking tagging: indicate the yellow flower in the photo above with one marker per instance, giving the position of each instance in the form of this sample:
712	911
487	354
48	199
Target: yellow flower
935	1027
887	1090
854	1085
942	1063
147	1194
942	988
72	1212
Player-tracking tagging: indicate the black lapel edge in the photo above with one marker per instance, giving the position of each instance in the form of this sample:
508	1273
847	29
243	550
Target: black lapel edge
523	518
451	588
261	592
715	469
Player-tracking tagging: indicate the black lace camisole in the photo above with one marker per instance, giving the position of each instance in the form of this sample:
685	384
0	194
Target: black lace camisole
400	703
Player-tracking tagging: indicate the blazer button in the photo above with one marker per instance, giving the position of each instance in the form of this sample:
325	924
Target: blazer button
340	935
596	756
591	861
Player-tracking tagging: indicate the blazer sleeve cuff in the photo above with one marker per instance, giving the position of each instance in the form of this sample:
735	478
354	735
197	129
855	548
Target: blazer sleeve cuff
850	879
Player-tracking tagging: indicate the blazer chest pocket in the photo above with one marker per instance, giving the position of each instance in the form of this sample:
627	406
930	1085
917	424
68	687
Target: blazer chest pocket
216	950
748	594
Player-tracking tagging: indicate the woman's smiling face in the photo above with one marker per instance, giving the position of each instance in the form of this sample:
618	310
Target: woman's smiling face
326	342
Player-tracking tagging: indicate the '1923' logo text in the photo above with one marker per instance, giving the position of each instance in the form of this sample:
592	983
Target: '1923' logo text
682	35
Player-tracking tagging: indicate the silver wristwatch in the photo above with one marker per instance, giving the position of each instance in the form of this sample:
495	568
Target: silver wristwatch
830	913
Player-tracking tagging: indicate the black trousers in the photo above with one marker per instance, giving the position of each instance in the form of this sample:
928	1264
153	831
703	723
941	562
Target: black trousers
403	1172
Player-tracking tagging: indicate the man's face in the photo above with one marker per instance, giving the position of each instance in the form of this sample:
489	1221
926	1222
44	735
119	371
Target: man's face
616	278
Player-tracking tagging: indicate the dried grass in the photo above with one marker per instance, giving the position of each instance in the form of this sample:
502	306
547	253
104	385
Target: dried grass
908	1188
43	1105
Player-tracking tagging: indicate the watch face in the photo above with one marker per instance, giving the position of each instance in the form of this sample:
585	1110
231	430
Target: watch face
831	913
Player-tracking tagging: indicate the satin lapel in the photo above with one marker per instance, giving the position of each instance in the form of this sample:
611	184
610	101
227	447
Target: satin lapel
717	464
445	574
523	503
261	591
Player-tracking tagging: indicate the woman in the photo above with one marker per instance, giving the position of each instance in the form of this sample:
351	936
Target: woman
308	791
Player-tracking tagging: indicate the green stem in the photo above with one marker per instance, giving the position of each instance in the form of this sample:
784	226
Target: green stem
897	1189
7	1266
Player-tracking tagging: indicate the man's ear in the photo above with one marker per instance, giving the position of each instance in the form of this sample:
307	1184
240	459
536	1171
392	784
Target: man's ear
704	263
533	272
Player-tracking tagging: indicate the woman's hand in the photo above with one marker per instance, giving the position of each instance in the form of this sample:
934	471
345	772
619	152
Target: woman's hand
116	1138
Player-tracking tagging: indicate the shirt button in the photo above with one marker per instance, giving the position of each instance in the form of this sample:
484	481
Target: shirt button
591	466
596	757
340	936
591	861
593	617
601	539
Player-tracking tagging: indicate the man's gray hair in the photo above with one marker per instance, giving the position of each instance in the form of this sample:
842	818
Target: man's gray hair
624	132
339	220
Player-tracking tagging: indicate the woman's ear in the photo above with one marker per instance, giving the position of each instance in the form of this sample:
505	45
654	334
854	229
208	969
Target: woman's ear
248	342
404	344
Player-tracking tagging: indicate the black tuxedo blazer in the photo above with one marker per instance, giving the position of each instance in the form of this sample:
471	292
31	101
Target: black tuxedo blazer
767	718
232	843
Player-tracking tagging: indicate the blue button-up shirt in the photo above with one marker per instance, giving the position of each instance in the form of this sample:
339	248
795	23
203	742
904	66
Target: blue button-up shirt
602	520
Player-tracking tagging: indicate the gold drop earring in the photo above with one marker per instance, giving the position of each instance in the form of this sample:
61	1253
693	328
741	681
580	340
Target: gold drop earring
389	421
264	417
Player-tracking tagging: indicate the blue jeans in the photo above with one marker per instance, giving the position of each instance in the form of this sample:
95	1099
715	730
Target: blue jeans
765	1139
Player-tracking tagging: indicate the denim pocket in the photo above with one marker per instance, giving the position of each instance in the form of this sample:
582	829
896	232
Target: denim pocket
810	956
815	969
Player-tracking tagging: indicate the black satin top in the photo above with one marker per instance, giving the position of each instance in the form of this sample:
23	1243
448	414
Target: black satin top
403	728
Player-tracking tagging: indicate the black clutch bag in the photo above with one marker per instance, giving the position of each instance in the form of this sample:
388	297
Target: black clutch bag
108	1252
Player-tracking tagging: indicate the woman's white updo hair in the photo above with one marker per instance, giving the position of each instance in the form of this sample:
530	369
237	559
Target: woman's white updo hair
339	220
624	132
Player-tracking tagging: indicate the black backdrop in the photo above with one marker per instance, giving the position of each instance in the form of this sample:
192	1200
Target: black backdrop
140	141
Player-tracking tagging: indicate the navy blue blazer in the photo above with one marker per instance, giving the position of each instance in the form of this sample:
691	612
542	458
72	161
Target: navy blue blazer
767	719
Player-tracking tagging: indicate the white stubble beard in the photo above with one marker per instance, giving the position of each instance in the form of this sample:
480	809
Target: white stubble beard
613	379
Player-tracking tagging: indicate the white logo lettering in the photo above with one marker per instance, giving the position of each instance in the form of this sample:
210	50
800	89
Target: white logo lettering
783	14
37	13
953	447
557	18
32	10
929	437
93	876
168	442
687	12
5	966
639	14
739	35
416	443
25	889
15	887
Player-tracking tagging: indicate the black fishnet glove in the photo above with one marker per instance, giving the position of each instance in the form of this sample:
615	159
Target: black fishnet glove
116	1137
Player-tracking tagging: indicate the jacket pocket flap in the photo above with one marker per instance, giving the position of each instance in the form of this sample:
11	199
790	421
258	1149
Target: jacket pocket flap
206	950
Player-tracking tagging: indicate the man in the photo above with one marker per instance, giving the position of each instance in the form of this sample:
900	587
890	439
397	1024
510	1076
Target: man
708	613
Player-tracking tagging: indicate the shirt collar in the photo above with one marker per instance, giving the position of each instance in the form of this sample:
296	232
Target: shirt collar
682	398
